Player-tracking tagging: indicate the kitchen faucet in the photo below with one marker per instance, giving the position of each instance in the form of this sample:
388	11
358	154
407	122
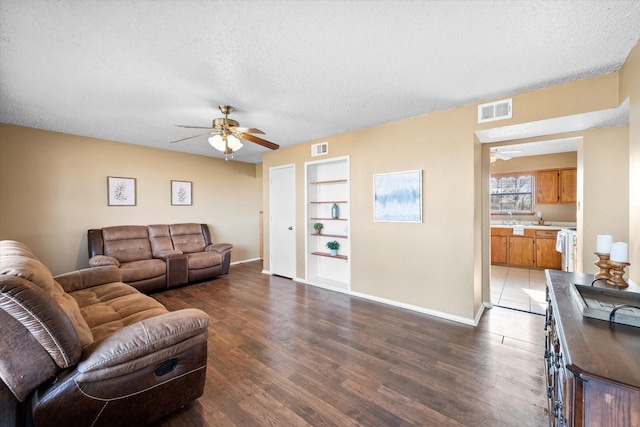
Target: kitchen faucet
510	218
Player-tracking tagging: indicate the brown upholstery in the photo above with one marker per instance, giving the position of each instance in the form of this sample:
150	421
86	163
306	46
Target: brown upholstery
114	355
129	248
204	258
127	243
159	256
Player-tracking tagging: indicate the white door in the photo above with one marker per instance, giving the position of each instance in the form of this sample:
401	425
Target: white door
282	211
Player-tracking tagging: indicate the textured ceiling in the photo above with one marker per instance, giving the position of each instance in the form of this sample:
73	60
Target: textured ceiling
130	70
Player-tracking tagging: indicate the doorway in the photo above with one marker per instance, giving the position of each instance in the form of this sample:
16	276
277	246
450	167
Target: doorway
520	284
282	215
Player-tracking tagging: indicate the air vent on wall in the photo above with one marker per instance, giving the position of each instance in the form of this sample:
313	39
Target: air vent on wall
320	149
498	110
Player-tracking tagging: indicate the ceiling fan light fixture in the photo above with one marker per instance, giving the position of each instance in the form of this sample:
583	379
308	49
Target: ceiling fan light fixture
218	142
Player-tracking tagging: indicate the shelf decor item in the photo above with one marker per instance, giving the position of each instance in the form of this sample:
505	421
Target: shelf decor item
335	212
333	247
318	227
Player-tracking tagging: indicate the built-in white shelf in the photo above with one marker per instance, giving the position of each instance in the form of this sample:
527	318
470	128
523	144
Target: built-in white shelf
328	184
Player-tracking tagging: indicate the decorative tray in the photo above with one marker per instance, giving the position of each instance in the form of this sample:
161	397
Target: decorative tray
598	303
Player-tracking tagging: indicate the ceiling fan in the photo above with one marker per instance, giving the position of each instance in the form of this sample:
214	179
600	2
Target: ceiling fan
227	134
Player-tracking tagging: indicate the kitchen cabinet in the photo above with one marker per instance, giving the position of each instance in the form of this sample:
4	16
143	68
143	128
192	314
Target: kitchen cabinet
568	185
556	186
535	249
592	367
499	249
546	254
521	251
547	186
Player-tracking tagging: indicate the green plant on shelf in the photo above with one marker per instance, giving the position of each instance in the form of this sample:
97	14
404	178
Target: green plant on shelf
318	227
333	245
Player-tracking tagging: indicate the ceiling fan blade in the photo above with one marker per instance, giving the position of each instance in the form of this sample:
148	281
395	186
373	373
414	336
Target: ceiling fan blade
501	156
194	127
259	141
246	130
194	136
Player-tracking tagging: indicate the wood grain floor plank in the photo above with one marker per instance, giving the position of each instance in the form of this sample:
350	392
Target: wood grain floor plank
287	354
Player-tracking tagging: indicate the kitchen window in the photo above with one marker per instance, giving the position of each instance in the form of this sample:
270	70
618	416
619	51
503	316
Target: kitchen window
512	192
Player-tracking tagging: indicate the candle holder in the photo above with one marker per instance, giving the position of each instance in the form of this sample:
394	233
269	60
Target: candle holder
617	271
603	265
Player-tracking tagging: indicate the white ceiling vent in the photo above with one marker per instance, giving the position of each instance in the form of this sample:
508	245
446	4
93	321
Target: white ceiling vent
320	149
498	110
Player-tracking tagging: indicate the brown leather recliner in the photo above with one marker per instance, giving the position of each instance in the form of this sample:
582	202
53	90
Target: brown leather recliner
205	259
85	349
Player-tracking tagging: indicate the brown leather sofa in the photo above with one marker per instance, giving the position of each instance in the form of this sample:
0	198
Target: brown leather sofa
85	349
159	256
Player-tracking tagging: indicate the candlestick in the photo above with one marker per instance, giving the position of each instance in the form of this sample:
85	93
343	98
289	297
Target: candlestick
603	265
617	271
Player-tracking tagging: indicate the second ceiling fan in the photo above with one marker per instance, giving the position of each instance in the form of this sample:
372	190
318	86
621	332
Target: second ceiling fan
227	133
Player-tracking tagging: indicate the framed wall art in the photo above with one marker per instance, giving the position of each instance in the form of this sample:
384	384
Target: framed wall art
181	193
121	191
398	196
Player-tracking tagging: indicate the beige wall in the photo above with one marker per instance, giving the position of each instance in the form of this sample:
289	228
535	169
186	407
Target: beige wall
630	88
441	264
403	262
550	212
53	187
603	185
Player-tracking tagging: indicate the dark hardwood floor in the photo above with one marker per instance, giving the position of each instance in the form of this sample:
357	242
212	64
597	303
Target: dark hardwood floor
287	354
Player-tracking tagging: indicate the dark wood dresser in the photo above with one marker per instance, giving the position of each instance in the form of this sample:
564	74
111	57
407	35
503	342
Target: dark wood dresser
592	366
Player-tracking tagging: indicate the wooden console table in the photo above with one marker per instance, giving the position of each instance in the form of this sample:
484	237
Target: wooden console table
592	366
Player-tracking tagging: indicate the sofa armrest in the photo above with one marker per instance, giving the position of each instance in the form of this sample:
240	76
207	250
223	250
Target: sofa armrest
168	253
143	343
219	247
88	277
101	260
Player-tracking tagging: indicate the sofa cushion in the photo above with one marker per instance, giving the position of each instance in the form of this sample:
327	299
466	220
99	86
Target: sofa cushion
161	244
142	270
110	307
71	309
200	260
127	243
102	260
28	293
187	237
18	260
28	268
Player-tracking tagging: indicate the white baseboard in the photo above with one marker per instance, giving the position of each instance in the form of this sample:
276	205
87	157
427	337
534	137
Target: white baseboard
245	260
422	310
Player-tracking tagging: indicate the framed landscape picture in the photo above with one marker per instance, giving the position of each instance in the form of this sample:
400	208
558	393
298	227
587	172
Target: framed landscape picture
398	196
181	193
121	191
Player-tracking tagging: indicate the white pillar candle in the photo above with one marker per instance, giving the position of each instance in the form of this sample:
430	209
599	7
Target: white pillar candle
619	252
603	245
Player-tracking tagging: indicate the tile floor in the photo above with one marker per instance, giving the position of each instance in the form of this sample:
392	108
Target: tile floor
519	288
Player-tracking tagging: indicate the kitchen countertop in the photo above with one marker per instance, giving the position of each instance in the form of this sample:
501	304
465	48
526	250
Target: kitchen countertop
549	226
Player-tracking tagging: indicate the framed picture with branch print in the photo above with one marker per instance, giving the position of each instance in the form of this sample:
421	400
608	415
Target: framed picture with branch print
181	193
121	191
